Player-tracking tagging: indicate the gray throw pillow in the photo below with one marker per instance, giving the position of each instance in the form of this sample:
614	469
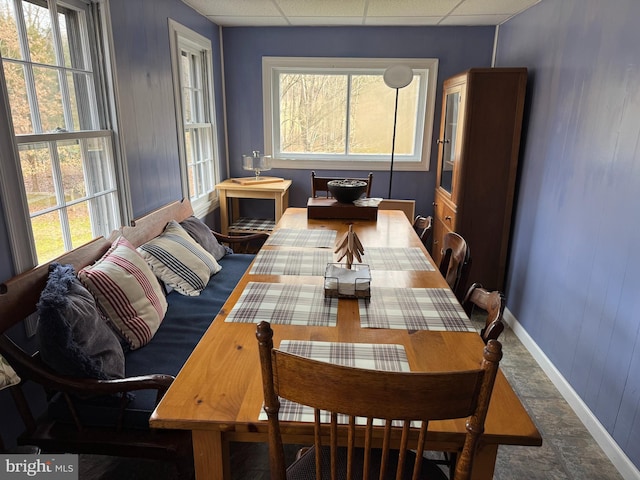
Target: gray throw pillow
202	234
73	338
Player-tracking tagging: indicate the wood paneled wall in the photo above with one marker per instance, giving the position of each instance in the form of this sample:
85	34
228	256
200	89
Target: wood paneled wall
574	280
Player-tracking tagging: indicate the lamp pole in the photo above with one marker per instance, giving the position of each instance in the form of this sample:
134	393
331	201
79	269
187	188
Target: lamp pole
396	76
393	142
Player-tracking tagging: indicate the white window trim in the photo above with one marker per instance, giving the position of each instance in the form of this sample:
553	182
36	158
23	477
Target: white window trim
177	31
14	201
269	95
16	210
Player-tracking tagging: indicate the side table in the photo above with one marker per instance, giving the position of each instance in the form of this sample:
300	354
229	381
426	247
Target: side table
230	190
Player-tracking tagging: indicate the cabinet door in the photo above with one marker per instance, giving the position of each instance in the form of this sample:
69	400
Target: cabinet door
450	133
439	230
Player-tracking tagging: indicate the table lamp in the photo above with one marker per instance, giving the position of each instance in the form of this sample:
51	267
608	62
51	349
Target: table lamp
396	76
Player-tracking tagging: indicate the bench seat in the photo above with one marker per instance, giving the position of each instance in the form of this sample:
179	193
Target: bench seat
107	425
185	322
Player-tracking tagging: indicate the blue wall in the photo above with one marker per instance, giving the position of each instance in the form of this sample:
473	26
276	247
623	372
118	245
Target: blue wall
145	95
457	48
574	280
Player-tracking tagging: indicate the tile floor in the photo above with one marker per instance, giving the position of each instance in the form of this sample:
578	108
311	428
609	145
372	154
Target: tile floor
568	451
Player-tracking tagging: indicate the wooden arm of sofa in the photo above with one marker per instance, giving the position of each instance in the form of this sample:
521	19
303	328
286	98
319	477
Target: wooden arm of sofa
30	367
241	243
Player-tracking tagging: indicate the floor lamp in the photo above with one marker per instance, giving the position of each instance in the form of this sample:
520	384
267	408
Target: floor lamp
396	76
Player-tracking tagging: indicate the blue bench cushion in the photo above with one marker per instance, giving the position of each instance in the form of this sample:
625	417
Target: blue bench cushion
185	322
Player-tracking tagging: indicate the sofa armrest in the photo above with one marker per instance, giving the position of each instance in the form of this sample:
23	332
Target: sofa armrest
242	243
31	368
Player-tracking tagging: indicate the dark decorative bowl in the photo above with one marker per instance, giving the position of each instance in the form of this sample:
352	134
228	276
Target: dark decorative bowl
346	191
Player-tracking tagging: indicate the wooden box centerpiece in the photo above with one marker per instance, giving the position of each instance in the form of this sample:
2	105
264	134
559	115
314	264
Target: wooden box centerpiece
325	208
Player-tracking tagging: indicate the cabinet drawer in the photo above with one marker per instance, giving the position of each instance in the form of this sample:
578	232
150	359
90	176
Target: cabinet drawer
445	213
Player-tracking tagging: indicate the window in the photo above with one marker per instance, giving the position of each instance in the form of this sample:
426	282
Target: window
64	175
337	113
192	79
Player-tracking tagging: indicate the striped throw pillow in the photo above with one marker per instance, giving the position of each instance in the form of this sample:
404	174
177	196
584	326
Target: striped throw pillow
179	261
127	292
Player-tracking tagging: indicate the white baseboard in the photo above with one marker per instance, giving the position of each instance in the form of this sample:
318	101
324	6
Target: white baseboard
619	459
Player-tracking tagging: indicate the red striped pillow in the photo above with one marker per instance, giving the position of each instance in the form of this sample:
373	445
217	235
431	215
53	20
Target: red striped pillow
127	292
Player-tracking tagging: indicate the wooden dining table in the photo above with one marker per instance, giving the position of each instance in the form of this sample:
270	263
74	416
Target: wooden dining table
218	394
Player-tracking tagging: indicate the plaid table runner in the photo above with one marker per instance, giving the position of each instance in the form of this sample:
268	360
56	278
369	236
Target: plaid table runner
292	262
314	262
396	259
414	309
252	224
362	355
303	238
284	304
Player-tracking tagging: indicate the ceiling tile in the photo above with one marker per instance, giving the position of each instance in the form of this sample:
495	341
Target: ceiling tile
323	8
325	21
400	21
482	7
264	21
251	8
351	12
475	19
410	8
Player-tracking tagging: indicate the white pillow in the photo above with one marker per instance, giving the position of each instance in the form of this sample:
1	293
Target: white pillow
127	291
179	261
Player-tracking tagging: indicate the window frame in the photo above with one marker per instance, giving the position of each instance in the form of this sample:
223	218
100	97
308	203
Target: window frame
181	35
97	45
427	97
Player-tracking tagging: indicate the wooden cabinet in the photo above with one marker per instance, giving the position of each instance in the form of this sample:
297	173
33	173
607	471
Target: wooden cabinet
477	164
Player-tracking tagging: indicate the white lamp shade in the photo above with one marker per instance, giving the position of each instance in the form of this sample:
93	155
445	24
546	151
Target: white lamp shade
398	76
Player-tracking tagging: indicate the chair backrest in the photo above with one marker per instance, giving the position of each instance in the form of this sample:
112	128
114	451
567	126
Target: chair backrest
423	227
374	394
407	206
491	302
319	184
455	262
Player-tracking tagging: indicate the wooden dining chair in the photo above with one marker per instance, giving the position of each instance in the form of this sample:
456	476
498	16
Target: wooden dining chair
408	207
423	226
455	263
491	302
319	184
372	394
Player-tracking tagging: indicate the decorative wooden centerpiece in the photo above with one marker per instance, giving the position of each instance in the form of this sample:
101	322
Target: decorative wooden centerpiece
344	204
348	280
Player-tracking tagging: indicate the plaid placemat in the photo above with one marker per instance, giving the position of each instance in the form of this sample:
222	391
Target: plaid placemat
362	355
279	303
396	259
291	262
253	224
291	237
414	309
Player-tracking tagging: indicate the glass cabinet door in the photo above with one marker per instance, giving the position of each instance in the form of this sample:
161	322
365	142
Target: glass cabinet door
448	142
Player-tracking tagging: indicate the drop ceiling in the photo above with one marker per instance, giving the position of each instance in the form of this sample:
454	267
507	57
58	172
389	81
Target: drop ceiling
283	13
